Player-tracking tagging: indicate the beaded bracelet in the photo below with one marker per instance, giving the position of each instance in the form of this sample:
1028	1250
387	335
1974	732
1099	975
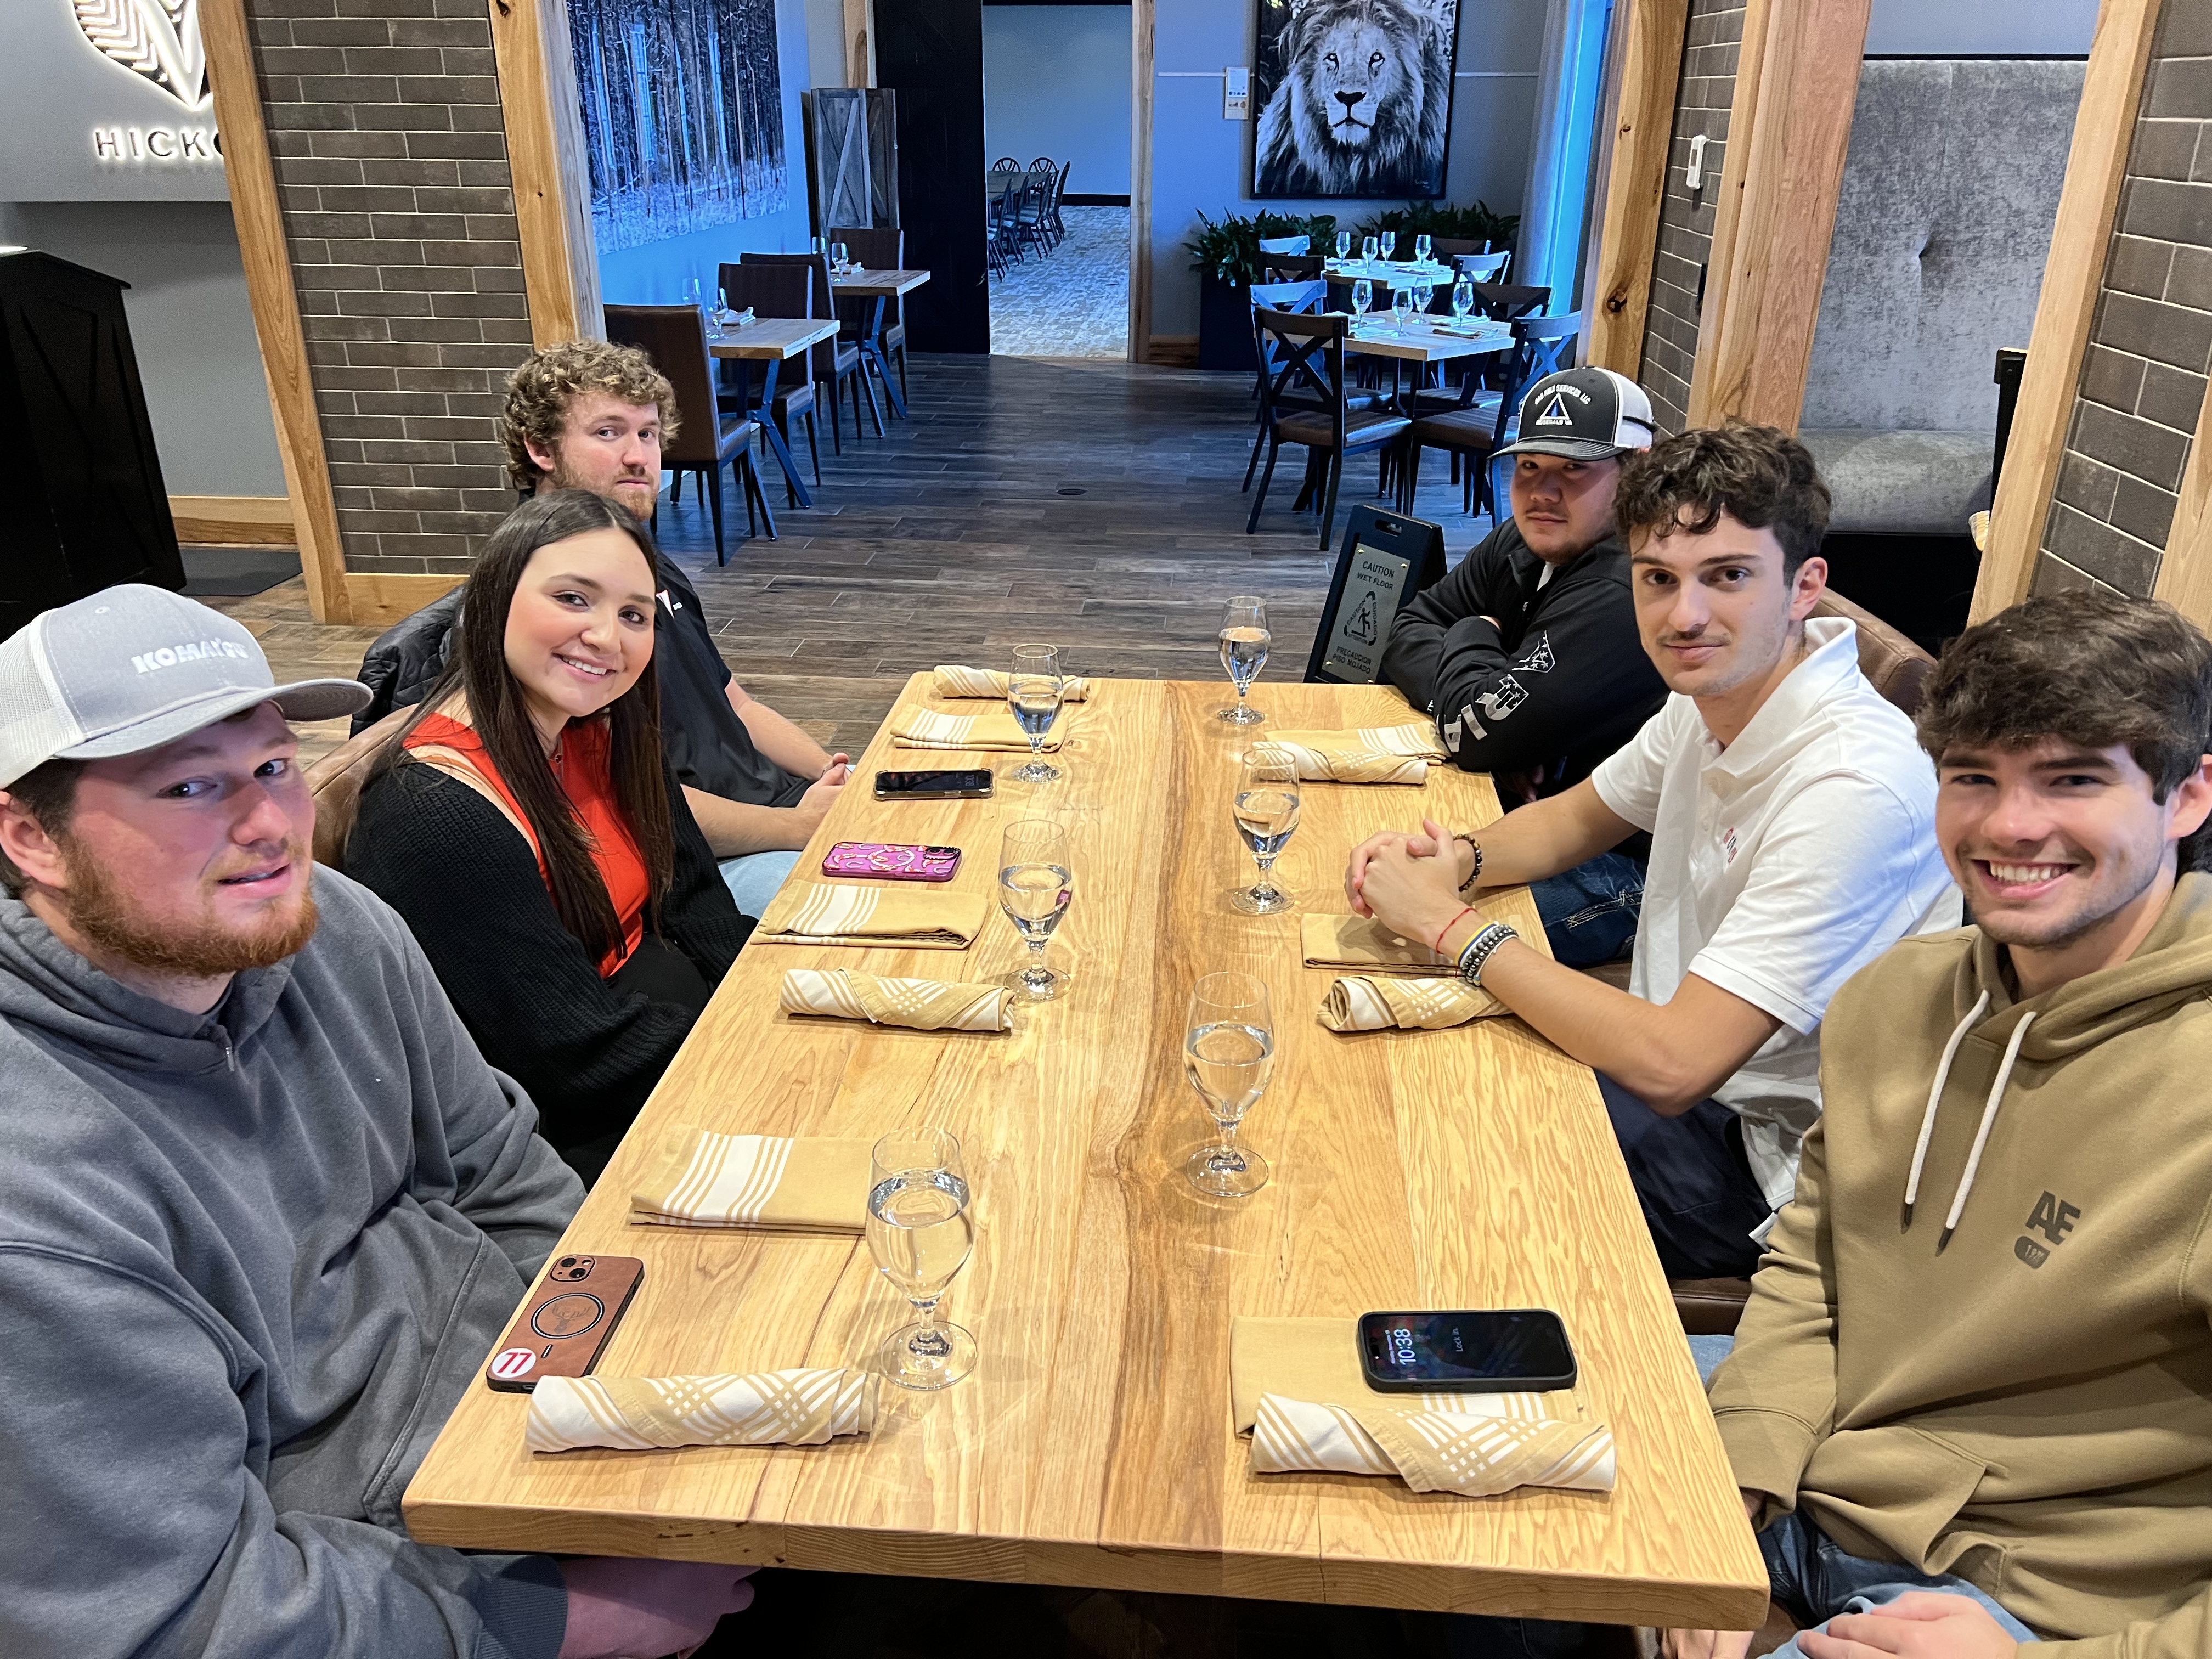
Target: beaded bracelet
1480	948
1474	876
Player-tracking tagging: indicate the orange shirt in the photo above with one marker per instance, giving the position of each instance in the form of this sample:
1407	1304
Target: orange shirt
583	776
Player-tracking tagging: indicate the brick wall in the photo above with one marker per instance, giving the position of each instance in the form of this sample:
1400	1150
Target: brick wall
1685	218
2143	378
391	157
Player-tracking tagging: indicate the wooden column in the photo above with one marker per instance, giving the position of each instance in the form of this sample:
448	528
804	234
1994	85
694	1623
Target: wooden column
860	43
545	156
1141	18
2184	575
268	261
1790	128
2064	312
1641	131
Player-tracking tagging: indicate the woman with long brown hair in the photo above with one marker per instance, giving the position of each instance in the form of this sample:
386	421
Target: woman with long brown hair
524	824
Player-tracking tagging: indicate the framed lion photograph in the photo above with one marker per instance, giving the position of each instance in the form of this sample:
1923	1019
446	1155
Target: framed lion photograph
1354	97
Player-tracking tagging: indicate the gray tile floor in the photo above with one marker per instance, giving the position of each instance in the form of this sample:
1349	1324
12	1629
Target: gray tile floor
1073	302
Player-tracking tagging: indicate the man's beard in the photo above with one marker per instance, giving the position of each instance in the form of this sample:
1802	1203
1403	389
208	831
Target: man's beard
564	479
104	913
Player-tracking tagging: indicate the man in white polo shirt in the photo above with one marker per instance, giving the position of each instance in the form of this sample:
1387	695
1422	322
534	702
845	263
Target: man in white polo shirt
1791	816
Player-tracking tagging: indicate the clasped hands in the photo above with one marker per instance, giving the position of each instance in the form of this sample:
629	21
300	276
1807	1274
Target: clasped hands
1918	1625
1410	883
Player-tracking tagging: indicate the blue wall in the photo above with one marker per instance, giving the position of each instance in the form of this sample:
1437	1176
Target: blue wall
1201	162
1056	82
653	274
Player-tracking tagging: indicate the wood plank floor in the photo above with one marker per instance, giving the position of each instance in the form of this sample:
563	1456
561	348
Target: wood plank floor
1091	504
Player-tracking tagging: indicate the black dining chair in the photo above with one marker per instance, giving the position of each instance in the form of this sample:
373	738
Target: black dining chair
778	291
1481	377
1030	219
1541	346
675	337
837	362
878	247
1059	195
1292	267
1306	403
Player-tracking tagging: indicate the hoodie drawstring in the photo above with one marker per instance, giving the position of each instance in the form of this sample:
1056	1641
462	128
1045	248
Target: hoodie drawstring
1981	1134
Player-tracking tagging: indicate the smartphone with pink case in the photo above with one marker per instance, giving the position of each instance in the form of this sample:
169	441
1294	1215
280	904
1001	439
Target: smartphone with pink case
879	861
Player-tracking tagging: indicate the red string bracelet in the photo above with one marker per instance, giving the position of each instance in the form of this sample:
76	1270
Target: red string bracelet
1437	949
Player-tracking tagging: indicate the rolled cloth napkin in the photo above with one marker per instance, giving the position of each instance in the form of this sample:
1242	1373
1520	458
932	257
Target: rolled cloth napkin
1358	1003
761	1408
953	681
1295	1386
1365	945
919	1004
774	1182
1375	754
817	913
932	728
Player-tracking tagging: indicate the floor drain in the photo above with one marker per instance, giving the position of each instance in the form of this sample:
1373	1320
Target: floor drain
1070	491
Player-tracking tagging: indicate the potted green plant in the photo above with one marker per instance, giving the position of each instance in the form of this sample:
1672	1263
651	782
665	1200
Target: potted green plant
1478	223
1225	253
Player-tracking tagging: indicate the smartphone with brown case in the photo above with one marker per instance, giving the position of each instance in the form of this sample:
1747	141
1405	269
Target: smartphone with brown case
565	1328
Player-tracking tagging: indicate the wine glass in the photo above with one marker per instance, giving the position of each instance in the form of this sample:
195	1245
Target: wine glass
1401	305
1228	1055
1462	297
1343	244
1034	690
1267	812
1367	246
919	1232
691	295
1035	885
1390	243
837	256
715	313
1244	637
1362	296
1421	247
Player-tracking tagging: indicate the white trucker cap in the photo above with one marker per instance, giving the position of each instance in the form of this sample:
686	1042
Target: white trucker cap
1582	415
132	667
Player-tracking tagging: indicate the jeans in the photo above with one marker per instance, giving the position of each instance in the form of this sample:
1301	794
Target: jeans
1814	1581
1589	912
1699	1197
753	878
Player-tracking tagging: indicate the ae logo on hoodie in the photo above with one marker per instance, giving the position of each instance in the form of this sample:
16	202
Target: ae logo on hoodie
2052	1217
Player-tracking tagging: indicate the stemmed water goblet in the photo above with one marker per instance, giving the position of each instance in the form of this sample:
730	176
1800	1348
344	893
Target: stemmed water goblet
1390	243
1228	1055
1036	882
1422	245
1462	297
921	1232
1367	248
1265	810
1244	639
1343	244
1401	305
1035	691
1362	296
838	260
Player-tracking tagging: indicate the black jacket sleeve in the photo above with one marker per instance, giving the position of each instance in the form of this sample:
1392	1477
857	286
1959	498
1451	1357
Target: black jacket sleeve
1420	639
527	989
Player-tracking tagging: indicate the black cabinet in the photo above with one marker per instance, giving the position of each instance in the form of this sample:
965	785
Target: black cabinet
89	508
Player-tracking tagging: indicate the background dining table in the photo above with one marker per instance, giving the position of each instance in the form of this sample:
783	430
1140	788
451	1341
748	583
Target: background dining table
1093	1445
856	282
771	340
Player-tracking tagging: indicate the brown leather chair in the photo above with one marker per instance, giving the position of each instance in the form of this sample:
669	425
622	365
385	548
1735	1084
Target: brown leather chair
675	337
335	783
881	247
776	291
837	364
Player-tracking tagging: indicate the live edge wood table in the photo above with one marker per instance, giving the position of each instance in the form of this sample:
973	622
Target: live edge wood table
1093	1445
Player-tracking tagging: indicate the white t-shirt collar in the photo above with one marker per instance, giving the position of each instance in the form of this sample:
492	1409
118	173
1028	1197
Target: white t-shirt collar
1833	659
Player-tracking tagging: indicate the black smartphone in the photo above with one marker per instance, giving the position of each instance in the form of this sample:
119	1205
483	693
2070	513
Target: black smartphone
934	786
1489	1351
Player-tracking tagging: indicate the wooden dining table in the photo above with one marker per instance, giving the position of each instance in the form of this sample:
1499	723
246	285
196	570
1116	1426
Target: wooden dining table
1094	1445
772	341
882	287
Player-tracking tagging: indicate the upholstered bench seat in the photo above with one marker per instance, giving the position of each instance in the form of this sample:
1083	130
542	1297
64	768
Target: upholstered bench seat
1903	482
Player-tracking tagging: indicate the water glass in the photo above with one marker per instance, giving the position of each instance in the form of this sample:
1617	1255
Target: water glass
1244	636
1462	297
1367	248
837	258
1425	295
691	295
1421	247
1343	244
1034	691
1401	305
1228	1055
920	1231
1266	813
1390	243
716	314
1035	885
1362	296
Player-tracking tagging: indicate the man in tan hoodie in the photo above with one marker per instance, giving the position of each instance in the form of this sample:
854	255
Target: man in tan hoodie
1969	1404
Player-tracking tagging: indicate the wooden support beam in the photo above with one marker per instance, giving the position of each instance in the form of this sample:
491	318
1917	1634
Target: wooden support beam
1638	137
265	520
379	597
860	43
1797	79
552	175
1142	13
2080	241
275	302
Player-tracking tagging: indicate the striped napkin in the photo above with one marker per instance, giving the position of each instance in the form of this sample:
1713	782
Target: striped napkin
918	1005
930	728
1295	1386
1375	754
761	1408
1358	1003
778	1183
818	912
955	682
1365	945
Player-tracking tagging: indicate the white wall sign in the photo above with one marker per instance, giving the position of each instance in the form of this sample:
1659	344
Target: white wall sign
1237	95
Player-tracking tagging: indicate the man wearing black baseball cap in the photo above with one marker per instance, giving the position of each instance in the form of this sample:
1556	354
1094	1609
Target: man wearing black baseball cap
1528	654
263	1208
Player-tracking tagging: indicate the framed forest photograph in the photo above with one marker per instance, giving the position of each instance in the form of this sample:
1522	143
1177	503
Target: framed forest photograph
1354	98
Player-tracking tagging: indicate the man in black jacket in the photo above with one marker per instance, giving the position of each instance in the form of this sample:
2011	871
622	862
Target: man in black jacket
1528	654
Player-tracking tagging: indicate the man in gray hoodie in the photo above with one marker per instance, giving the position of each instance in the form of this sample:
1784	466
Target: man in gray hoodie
263	1208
